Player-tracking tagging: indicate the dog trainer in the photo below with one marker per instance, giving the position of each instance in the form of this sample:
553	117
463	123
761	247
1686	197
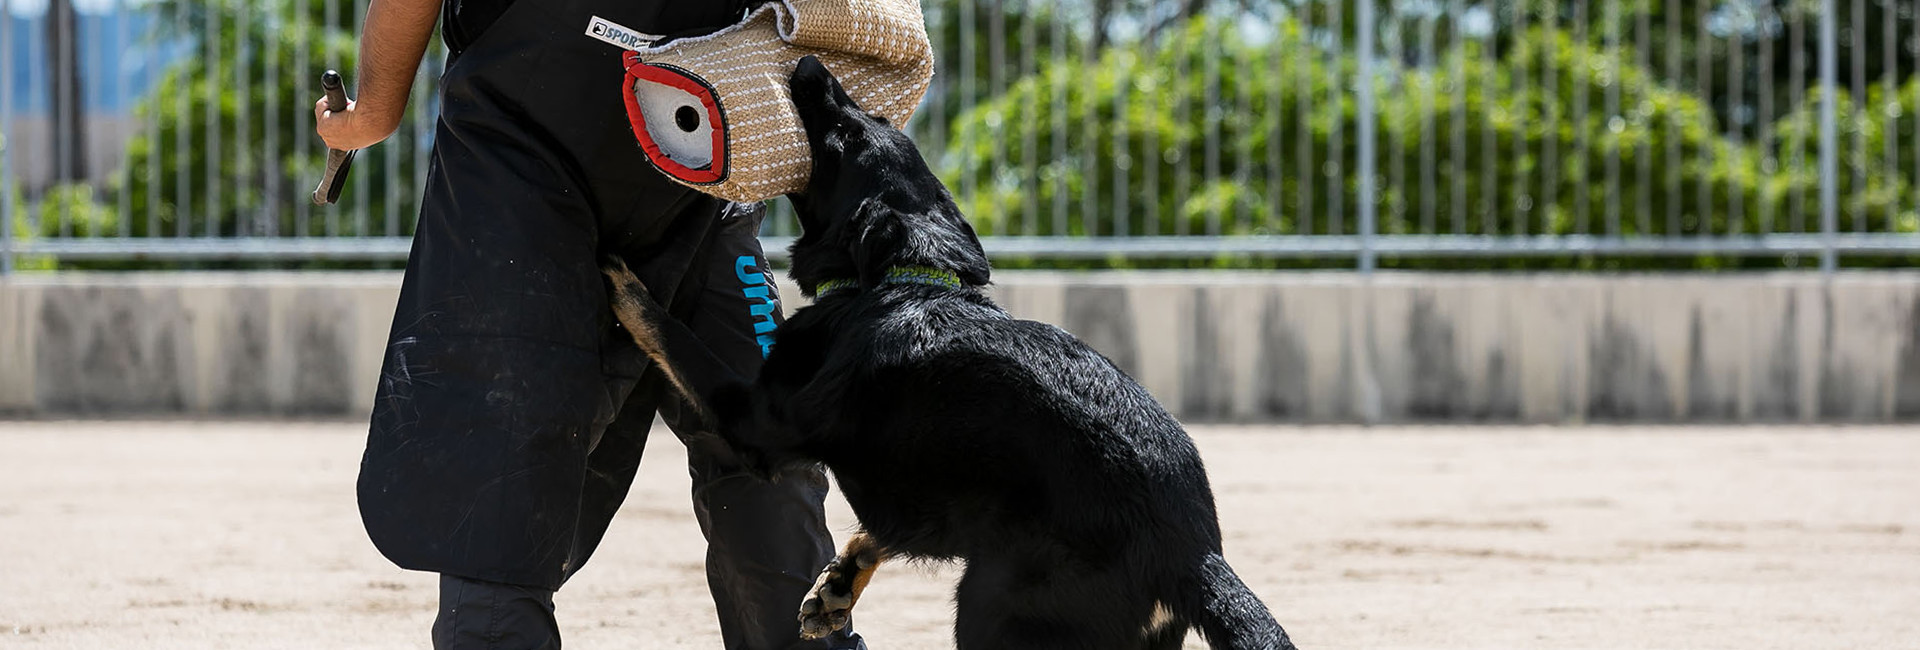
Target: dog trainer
511	411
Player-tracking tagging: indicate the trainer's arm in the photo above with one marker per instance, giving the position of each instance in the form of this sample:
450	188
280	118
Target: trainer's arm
392	41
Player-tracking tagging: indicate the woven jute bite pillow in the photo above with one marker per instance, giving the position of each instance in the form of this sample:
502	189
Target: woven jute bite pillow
714	112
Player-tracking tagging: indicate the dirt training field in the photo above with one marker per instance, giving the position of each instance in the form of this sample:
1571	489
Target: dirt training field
244	535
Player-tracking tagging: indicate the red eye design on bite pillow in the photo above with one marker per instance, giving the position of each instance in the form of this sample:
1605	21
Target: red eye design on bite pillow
677	118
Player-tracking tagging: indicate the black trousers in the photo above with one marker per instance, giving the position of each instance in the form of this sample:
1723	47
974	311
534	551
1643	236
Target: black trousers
512	411
766	540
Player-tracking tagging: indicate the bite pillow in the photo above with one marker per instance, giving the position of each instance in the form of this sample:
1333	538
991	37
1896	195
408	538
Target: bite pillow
713	112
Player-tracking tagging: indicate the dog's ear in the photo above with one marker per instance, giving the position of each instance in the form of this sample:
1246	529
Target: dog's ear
969	258
877	238
885	237
818	97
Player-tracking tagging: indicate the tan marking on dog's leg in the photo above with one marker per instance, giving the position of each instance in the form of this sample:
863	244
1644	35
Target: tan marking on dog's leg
829	606
1161	618
637	312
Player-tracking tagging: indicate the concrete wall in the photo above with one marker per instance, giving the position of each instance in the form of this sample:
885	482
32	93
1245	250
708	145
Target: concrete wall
1307	347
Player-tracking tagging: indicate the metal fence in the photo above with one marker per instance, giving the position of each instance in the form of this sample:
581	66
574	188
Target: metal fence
1357	132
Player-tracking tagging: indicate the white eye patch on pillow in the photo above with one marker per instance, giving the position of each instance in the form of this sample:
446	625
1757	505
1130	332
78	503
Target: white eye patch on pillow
714	113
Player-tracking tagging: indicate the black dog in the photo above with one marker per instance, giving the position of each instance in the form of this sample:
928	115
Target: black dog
1079	505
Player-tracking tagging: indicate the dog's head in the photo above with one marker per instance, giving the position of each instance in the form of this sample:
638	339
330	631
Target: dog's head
871	203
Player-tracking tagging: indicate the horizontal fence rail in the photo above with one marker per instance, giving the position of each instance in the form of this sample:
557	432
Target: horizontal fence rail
1765	133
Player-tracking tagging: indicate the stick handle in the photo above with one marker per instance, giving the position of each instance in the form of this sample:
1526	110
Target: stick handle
338	162
336	88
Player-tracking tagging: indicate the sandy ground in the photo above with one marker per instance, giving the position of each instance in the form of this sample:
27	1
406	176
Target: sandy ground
244	535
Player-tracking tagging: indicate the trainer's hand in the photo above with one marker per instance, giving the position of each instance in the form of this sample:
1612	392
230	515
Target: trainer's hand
353	128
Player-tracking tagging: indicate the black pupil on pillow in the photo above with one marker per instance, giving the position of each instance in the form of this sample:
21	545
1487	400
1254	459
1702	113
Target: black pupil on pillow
687	118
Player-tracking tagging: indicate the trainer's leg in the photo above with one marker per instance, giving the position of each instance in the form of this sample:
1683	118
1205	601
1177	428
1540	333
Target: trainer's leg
766	541
481	615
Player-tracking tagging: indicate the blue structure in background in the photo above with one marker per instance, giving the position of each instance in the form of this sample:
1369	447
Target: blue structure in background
119	60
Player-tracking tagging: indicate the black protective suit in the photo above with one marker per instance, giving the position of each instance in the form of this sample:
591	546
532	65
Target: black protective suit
511	411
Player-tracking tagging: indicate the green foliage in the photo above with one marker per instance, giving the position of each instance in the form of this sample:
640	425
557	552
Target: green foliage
228	142
1557	136
1529	131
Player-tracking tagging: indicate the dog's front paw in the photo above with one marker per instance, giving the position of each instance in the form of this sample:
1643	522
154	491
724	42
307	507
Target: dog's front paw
829	606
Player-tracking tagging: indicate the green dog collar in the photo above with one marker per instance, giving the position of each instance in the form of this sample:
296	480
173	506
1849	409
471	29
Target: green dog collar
926	275
829	286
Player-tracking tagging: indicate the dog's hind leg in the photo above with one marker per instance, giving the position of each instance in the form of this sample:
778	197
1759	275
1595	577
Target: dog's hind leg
1049	603
829	606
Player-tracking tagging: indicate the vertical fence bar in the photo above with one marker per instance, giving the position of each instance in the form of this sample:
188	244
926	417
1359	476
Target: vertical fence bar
940	91
1242	149
7	143
87	66
1029	133
154	157
1366	117
36	86
1059	163
1122	157
1457	158
1550	172
1335	174
1703	84
303	65
1610	13
182	137
1829	200
997	47
245	211
1212	114
1769	161
1310	58
997	84
64	61
1489	137
1150	153
271	190
1856	176
1089	132
122	13
1523	174
211	123
1890	109
1393	190
1735	128
1429	153
1672	183
1796	96
969	90
1643	152
1275	122
1183	143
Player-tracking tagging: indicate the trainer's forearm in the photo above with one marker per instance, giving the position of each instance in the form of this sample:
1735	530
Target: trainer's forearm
392	41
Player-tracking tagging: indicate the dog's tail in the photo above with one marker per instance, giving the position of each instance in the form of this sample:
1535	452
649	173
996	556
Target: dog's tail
1214	599
690	367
